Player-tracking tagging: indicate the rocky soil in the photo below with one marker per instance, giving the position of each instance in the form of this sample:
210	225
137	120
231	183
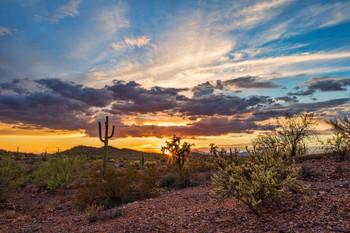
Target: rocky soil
324	208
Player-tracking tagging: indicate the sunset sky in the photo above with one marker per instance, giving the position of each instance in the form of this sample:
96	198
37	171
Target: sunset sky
208	71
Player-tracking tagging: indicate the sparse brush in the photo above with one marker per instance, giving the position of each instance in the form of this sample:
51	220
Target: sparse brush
116	187
93	212
60	171
11	178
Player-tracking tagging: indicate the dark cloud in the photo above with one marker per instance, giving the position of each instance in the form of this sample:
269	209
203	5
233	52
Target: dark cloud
221	105
288	99
69	106
205	127
324	83
296	108
13	86
44	110
131	98
90	96
203	89
250	82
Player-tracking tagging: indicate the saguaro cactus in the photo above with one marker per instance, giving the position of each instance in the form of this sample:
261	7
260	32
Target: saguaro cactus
105	141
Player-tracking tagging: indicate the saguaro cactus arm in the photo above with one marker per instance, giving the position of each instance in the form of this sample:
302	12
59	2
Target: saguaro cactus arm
100	132
112	132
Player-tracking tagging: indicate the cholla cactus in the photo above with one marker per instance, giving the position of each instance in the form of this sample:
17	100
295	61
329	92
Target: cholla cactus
222	158
261	180
105	141
135	164
177	151
149	164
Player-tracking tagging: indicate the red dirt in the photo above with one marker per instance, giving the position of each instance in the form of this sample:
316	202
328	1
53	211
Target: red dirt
325	208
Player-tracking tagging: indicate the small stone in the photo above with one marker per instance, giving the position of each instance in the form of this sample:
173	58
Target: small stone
337	229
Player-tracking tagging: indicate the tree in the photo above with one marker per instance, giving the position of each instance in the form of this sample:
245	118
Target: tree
340	142
289	137
177	151
341	125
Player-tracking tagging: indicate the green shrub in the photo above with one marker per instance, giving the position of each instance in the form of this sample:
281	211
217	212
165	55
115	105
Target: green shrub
59	171
10	177
169	181
201	166
116	187
262	180
339	146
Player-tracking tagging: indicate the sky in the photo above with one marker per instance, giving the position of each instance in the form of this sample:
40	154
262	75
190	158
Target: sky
208	71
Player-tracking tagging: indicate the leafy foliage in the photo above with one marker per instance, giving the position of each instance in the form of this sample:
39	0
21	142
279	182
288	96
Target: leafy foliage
262	180
60	171
10	177
340	142
289	137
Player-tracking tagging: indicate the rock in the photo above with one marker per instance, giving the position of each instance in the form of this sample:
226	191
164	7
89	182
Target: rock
337	229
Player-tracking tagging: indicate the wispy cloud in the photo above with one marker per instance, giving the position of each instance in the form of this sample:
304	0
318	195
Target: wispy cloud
70	9
6	31
133	41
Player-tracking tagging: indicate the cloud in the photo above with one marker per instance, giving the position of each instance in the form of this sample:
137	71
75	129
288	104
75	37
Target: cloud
70	9
112	19
221	105
90	96
250	82
133	98
132	41
288	99
14	86
324	15
324	83
44	110
205	127
6	31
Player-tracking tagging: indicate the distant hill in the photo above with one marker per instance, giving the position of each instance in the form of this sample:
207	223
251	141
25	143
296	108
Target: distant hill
112	152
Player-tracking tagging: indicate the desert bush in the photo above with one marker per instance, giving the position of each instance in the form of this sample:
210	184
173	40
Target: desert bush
169	181
261	181
116	187
288	139
93	212
150	164
10	177
339	146
60	171
202	166
135	164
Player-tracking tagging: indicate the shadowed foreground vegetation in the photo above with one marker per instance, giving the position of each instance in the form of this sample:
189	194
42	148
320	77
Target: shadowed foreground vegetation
262	181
